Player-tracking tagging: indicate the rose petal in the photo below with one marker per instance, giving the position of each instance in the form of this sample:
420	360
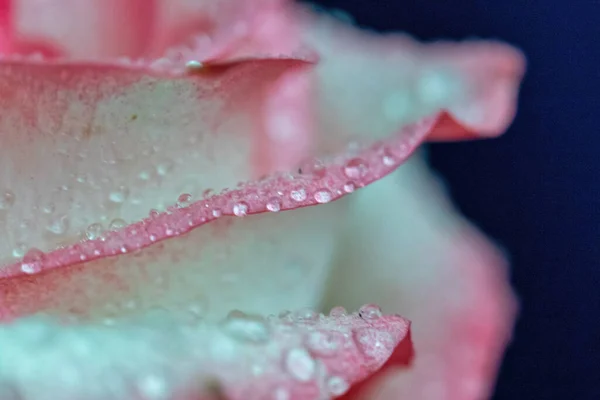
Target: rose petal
407	249
373	84
83	29
181	30
256	264
85	144
299	356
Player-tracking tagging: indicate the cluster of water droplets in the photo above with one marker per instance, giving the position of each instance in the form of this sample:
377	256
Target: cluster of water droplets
156	356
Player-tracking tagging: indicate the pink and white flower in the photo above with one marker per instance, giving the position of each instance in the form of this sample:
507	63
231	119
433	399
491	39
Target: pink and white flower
165	164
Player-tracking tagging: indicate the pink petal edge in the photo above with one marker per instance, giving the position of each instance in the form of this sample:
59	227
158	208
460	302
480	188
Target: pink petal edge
296	356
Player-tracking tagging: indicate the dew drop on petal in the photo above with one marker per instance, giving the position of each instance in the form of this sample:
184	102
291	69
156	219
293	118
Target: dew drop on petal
19	250
193	65
298	195
349	187
323	196
324	343
58	225
117	224
94	231
337	312
7	199
240	209
48	208
356	168
274	205
246	327
306	315
337	386
300	365
217	212
119	195
32	261
164	168
370	312
184	200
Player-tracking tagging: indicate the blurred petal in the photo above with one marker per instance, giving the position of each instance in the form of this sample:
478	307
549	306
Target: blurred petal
244	357
81	28
406	249
373	84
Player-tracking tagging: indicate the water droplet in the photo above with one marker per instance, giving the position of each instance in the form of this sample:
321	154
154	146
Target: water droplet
144	175
349	187
19	250
217	213
48	208
117	224
337	386
119	195
376	345
240	209
323	196
300	364
246	327
184	200
94	231
356	168
306	315
153	213
32	261
388	158
298	195
337	312
7	199
164	168
324	343
370	312
58	225
193	65
274	205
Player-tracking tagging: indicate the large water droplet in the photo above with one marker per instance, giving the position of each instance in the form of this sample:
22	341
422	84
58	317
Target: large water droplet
370	312
7	200
274	205
33	261
356	168
300	365
58	225
94	231
323	196
240	209
298	195
184	200
247	327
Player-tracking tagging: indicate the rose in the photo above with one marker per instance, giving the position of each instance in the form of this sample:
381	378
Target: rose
90	148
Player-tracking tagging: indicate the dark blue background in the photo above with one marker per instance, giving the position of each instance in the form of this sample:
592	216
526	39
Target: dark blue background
537	189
